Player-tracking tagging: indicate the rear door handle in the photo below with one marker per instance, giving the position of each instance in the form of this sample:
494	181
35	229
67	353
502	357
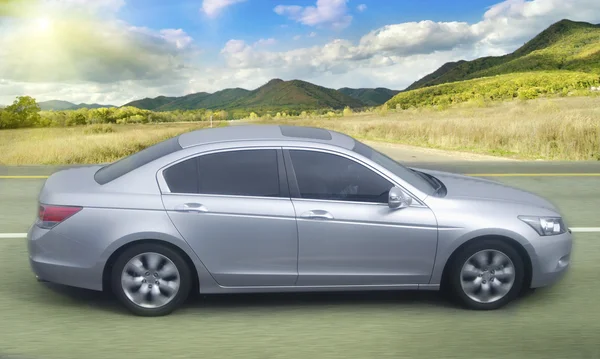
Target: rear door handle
191	207
317	214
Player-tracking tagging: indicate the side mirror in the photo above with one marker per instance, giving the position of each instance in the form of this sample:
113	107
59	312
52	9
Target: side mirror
397	199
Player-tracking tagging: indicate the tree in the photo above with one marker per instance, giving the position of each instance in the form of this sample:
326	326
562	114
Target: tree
24	112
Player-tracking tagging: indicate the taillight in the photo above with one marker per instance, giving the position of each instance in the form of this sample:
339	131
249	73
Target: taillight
50	216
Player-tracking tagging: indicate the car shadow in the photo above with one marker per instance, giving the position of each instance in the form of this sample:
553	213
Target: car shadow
226	302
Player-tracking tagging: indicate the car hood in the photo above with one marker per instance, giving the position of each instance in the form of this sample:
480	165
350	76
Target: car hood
460	186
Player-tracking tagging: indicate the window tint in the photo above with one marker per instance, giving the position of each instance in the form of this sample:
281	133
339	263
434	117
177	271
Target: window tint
244	173
129	163
406	174
326	176
183	177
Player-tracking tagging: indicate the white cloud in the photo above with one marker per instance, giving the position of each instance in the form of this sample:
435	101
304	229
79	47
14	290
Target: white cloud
84	50
178	37
312	34
361	7
123	63
213	8
297	37
330	13
412	49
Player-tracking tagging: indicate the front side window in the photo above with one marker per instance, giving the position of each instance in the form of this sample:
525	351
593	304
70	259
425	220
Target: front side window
241	173
331	177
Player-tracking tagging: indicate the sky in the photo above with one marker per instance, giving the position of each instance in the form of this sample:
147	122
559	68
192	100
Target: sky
116	51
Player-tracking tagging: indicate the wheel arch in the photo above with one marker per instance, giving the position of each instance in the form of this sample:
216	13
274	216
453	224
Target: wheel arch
106	271
506	239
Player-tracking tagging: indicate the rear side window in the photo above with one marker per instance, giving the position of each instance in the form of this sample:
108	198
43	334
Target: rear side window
125	165
183	177
236	173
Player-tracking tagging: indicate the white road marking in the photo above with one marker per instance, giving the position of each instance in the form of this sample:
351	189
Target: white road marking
573	229
586	229
13	235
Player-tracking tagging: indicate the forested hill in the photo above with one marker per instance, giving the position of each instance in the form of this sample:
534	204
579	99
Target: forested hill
565	45
274	95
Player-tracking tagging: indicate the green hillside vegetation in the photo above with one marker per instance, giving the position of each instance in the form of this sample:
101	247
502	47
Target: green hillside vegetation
562	60
525	86
369	96
218	100
565	45
25	112
276	95
150	103
90	106
295	94
433	77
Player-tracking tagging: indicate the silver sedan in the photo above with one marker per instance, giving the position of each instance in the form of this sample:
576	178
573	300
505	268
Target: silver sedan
283	208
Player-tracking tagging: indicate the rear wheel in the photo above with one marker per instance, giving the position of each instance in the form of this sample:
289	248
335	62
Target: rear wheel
151	279
486	274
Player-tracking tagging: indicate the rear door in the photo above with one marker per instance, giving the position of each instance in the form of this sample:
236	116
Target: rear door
233	208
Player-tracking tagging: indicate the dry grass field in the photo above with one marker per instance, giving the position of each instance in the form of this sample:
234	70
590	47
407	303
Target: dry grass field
548	129
84	144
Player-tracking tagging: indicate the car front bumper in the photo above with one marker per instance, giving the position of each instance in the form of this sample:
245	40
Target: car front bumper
552	258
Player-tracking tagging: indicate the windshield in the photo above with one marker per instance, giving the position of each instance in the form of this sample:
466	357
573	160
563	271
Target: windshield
414	178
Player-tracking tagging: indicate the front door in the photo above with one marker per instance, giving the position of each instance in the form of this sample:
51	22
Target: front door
233	209
347	233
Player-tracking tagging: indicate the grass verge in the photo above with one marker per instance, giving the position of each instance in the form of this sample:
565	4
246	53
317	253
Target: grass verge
84	144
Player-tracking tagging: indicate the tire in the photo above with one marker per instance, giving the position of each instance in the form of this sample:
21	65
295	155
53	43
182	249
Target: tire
173	276
465	286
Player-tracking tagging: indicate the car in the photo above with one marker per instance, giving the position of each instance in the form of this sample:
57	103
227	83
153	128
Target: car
277	208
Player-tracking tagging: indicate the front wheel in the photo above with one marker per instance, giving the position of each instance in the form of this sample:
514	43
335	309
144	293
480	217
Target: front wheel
486	274
151	279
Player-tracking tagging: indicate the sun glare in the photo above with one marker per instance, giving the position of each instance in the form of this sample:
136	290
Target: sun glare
43	23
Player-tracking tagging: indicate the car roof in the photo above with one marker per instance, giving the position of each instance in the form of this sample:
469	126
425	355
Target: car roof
265	133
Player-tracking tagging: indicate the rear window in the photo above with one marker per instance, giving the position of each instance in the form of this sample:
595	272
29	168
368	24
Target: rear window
125	165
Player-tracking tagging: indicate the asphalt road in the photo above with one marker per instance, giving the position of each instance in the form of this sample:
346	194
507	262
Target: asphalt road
573	186
41	321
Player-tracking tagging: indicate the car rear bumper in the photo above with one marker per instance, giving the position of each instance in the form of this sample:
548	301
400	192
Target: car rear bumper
49	264
552	259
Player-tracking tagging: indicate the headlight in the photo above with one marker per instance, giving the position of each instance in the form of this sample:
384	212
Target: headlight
545	226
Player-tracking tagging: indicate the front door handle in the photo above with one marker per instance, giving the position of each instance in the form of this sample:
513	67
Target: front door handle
191	207
317	214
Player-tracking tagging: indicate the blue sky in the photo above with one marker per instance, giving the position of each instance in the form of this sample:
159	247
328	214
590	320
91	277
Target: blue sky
253	20
115	51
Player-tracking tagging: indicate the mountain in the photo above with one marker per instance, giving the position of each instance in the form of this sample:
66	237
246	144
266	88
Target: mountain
294	94
58	105
562	60
55	105
90	106
565	45
370	96
274	95
151	103
220	99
